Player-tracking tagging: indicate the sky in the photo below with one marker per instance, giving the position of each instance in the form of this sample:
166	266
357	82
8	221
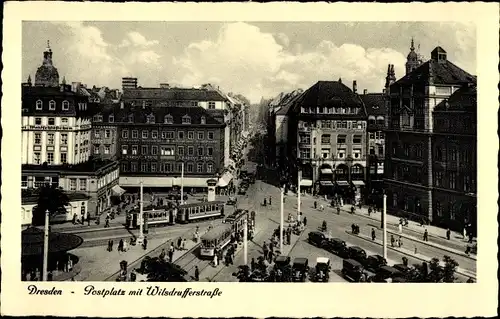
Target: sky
256	59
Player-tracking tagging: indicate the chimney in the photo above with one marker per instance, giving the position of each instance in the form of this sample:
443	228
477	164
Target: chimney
354	86
365	91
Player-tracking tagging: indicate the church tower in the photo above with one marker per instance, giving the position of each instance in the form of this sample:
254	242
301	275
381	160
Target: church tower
413	60
46	74
390	77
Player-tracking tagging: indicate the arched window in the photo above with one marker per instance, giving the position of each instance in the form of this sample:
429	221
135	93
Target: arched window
371	120
186	119
111	118
380	120
52	105
152	119
39	104
168	119
65	105
203	120
437	209
395	199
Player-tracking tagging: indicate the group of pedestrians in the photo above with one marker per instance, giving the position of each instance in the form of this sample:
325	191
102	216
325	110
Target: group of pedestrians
396	242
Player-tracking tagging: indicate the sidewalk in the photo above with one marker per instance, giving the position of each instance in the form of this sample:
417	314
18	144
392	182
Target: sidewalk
410	253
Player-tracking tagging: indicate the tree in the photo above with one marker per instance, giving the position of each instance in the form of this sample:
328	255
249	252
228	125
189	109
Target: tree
436	271
450	265
159	270
50	198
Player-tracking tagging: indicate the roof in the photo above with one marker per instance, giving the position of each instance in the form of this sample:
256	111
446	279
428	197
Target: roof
374	103
200	204
463	99
300	260
288	102
216	232
322	260
174	94
91	166
443	72
33	198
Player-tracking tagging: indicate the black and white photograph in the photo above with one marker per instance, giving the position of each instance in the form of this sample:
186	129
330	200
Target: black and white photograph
243	151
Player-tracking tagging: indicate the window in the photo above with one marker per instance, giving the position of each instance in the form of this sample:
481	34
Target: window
325	139
166	151
83	184
453	154
372	150
72	184
50	138
133	167
356	139
180	135
190	167
107	133
144	150
356	153
154	134
199	167
106	149
380	150
190	135
153	167
52	105
190	151
210	168
135	134
186	119
64	158
438	178
65	105
180	150
124	149
357	169
382	135
125	134
178	103
168	119
64	121
452	211
39	105
380	120
97	134
210	151
152	119
36	158
341	139
50	158
38	138
203	120
111	118
194	103
452	180
134	149
200	151
52	121
341	153
211	105
201	135
372	135
325	152
38	121
418	151
168	167
467	183
96	149
131	118
154	150
437	207
406	149
305	153
169	135
144	167
439	154
371	120
210	135
144	134
124	167
64	138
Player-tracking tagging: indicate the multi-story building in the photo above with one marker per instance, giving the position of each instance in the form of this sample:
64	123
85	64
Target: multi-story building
104	136
154	142
129	83
409	170
454	160
55	143
330	143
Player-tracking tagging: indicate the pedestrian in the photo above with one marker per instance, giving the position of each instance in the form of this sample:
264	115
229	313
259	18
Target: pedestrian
465	233
288	237
120	245
392	240
179	243
252	264
183	245
315	205
305	221
373	234
265	250
74	220
271	248
426	234
448	234
106	225
400	242
125	246
196	273
400	228
88	221
171	252
83	219
111	245
369	211
162	254
145	243
270	200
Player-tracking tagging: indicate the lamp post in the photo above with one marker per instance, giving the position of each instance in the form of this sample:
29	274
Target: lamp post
299	179
245	239
281	219
384	225
45	246
182	183
141	217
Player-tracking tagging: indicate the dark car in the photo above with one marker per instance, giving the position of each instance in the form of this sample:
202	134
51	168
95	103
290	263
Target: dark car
282	270
231	201
402	268
357	253
352	270
317	238
387	274
374	262
300	269
337	246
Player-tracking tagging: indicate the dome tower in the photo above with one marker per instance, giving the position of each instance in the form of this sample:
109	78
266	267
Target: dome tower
413	60
46	74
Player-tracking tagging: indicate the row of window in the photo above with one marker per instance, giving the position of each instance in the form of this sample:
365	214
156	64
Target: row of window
454	181
63	139
167	135
326	153
408	150
78	184
452	155
380	149
326	139
330	124
330	110
407	173
164	150
151	119
39	181
149	103
65	105
37	158
376	135
167	167
51	121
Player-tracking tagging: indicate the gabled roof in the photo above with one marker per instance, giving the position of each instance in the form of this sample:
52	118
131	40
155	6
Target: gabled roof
173	94
443	72
464	99
374	103
289	100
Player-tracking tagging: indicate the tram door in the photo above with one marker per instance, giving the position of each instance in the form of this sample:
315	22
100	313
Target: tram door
133	221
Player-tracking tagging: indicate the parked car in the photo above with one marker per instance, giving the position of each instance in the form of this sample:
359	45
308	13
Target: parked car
322	269
386	274
231	201
300	269
317	239
338	247
352	270
357	253
242	191
374	262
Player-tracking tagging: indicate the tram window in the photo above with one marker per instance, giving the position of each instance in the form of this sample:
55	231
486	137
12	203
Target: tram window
197	209
202	209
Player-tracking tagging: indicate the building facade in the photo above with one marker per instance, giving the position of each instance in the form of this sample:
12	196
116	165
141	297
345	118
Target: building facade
330	140
409	174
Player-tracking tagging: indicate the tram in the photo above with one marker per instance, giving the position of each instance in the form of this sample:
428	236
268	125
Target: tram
216	238
237	219
152	217
188	213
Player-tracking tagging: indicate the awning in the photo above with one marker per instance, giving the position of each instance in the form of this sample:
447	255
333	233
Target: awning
225	179
342	183
306	182
326	171
358	183
117	190
135	181
326	183
191	182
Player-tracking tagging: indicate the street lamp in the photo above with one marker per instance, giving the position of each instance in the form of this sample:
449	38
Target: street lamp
384	225
141	217
45	246
281	219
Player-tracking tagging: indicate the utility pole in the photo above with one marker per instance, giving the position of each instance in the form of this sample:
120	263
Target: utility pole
182	183
384	225
45	246
299	178
245	240
281	220
141	217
